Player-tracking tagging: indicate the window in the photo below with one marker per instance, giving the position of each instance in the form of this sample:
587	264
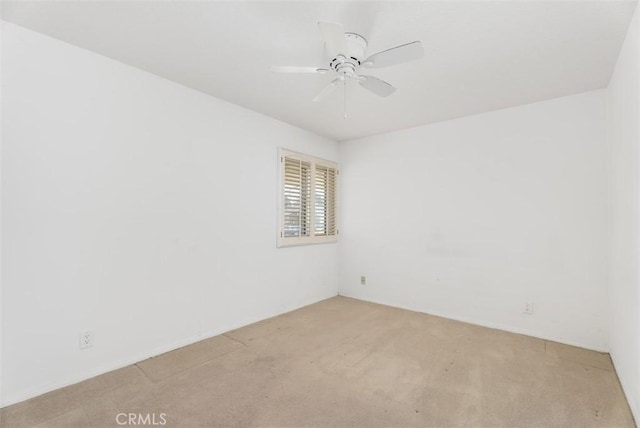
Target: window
308	200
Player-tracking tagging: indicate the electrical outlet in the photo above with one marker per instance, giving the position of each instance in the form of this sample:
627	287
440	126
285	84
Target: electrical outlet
363	280
528	308
86	339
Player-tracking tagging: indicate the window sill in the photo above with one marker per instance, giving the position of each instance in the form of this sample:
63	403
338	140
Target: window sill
299	242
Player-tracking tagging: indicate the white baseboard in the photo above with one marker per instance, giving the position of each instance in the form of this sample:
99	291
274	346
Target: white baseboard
43	389
496	326
626	389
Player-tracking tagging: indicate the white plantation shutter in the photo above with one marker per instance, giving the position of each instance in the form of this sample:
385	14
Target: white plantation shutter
297	197
325	201
308	200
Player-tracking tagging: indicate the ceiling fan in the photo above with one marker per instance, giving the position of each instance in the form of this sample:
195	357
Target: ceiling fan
346	52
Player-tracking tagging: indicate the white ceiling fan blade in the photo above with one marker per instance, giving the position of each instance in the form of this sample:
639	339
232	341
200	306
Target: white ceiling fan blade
377	86
326	90
295	69
398	55
333	36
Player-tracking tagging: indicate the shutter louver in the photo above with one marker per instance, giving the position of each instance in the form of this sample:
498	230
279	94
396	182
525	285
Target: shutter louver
325	201
297	198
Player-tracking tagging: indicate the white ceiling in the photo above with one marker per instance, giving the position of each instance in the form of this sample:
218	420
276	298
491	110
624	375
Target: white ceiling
480	55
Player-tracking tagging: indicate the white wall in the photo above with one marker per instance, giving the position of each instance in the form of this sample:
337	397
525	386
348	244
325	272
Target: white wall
624	135
472	217
1	24
138	208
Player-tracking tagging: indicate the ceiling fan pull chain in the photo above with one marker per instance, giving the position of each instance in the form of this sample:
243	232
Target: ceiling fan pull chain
345	98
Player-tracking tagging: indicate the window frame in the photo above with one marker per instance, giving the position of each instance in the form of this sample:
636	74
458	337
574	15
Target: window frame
291	241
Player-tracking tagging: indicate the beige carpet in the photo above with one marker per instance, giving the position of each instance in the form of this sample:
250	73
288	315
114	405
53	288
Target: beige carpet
343	362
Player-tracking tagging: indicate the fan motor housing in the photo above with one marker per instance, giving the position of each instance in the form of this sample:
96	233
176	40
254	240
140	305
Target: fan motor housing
356	47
